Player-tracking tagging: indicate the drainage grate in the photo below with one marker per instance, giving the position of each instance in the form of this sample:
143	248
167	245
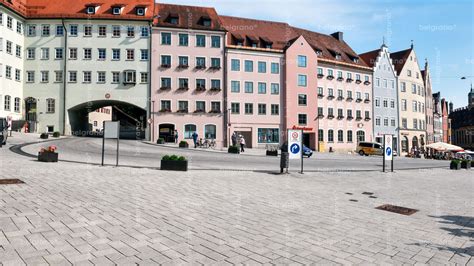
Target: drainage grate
397	209
10	181
372	197
367	193
353	200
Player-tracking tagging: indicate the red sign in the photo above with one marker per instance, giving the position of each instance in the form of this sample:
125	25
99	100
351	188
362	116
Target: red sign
303	128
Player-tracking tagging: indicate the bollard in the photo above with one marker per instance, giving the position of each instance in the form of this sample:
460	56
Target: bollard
284	161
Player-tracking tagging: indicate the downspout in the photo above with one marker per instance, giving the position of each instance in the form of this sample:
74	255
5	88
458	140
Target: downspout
399	140
64	75
226	112
151	116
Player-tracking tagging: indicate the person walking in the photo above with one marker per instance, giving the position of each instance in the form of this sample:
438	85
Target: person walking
234	139
195	137
242	143
176	136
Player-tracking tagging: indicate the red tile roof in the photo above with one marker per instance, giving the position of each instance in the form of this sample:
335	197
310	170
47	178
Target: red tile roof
370	57
189	17
77	9
399	59
17	6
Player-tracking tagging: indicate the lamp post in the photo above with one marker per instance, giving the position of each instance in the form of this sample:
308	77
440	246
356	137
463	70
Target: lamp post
153	121
228	126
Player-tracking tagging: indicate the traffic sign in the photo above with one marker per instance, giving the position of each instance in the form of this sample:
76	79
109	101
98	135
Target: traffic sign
388	149
295	138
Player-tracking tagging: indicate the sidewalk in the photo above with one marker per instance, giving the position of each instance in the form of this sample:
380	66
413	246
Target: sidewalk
248	151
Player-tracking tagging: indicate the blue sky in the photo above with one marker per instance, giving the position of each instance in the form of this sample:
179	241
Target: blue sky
442	31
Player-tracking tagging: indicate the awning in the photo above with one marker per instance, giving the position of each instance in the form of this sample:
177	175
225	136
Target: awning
441	146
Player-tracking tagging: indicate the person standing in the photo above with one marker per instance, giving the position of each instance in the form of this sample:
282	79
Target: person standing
176	136
242	143
234	139
195	137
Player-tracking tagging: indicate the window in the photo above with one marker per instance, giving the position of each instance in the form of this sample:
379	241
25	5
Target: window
404	105
377	82
275	68
385	103
275	88
377	121
183	83
102	54
144	54
44	53
377	102
216	107
45	30
201	83
330	111
87	30
8	72
144	77
51	105
30	53
183	106
59	53
275	109
249	108
392	122
404	123
262	67
101	77
210	131
183	39
235	86
358	114
72	76
9	47
340	93
409	72
367	96
87	53
31	30
302	119
165	60
145	32
166	106
330	92
366	78
235	108
320	91
360	136
392	104
7	103
44	76
73	30
330	135
19	27
262	109
268	135
87	76
165	82
183	61
216	84
349	136
414	106
248	66
200	40
340	112
235	64
302	61
189	130
320	71
115	54
302	80
262	88
403	86
200	106
30	76
102	31
130	54
140	11
415	123
367	114
58	76
17	75
17	105
131	32
339	74
340	136
248	87
413	88
216	63
201	62
215	41
302	99
10	22
115	77
349	113
72	53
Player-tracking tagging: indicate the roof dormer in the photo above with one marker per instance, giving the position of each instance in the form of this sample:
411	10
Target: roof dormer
172	18
117	9
91	9
266	42
140	10
205	21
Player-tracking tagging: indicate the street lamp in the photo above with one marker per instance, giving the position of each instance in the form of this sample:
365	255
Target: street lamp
153	121
228	126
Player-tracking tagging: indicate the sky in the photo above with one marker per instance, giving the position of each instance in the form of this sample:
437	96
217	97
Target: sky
442	30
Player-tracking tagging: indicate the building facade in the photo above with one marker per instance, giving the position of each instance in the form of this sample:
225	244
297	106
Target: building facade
437	118
11	59
429	111
445	120
385	94
412	118
188	74
462	122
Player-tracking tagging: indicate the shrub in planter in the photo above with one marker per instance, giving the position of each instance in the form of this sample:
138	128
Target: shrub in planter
44	136
455	164
233	149
174	163
48	155
466	164
183	144
160	141
56	134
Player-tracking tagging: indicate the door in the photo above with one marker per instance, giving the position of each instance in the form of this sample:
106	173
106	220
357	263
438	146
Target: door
166	132
307	140
247	136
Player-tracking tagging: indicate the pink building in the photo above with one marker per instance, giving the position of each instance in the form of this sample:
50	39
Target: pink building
187	74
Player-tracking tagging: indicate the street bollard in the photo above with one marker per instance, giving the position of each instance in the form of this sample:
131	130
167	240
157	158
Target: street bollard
284	161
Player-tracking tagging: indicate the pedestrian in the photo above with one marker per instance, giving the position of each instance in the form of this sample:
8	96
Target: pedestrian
195	137
242	143
176	136
234	139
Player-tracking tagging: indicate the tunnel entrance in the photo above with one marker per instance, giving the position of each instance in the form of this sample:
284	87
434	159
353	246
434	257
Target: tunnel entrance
87	119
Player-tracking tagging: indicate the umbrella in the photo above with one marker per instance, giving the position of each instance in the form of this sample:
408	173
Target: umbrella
441	146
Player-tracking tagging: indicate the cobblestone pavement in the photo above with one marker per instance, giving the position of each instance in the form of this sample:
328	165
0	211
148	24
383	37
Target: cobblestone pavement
68	213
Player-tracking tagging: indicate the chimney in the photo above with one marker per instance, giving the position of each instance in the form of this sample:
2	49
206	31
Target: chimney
338	36
451	107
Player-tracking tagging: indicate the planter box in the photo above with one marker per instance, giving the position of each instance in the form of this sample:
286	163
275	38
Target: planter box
184	145
272	153
455	166
174	165
466	165
160	141
234	149
48	157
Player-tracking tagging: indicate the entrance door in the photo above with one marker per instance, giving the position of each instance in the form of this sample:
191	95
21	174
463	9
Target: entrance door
166	132
307	140
247	136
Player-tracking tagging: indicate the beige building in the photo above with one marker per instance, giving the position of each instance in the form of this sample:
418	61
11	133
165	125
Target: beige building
97	118
412	95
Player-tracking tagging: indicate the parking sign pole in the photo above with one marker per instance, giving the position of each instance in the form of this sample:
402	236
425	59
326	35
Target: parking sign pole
103	143
301	145
383	167
393	157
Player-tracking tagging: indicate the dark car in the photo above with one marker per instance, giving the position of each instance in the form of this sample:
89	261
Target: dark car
3	131
306	151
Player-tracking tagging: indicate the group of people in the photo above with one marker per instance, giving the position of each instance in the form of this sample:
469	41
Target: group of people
241	140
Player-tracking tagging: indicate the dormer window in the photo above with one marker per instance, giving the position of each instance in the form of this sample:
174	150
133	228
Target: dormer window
338	56
173	19
90	10
205	21
140	11
319	52
355	60
116	10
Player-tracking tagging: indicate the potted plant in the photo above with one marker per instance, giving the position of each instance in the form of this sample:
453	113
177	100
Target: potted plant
183	144
174	163
455	164
466	164
48	155
160	141
234	149
272	150
44	136
56	134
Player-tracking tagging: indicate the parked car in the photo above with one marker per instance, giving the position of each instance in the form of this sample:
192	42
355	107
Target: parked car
369	148
3	131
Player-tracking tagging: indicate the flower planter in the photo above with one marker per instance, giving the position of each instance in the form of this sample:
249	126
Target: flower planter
272	153
233	149
466	165
455	165
174	165
160	141
183	144
44	136
48	157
